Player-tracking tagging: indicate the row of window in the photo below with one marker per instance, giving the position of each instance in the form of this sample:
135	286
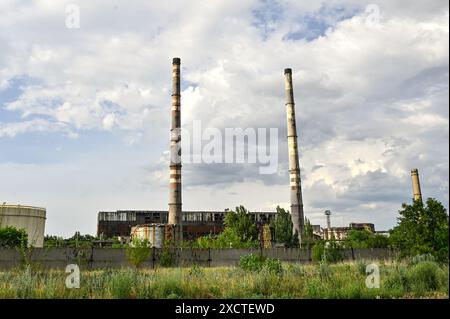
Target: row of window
187	216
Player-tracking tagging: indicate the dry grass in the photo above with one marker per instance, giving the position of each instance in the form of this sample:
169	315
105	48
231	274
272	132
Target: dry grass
345	280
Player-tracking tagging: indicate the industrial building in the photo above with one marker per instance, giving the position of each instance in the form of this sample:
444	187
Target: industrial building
31	219
340	233
188	225
195	223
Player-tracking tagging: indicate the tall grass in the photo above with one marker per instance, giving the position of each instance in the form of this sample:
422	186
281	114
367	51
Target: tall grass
345	280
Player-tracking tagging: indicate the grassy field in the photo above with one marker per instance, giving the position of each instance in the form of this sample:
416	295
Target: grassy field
346	280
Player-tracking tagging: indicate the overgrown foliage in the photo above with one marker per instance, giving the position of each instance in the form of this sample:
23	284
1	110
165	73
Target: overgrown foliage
11	237
138	251
423	280
422	229
283	228
365	239
76	241
167	256
327	252
240	232
258	262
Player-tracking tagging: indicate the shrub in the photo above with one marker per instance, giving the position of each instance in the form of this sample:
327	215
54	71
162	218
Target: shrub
12	237
167	257
397	279
273	266
257	262
121	284
425	276
326	252
24	283
138	251
196	271
361	265
252	262
318	251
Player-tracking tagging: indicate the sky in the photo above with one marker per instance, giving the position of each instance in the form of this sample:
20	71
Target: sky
85	104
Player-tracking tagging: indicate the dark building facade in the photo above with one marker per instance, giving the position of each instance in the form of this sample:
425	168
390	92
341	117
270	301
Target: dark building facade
195	223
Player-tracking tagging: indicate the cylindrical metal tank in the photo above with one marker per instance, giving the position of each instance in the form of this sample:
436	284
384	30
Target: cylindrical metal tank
154	233
31	219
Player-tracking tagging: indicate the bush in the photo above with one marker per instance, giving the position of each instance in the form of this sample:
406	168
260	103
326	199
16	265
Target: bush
253	262
361	265
11	237
138	251
167	257
121	284
397	279
326	252
196	271
318	251
425	276
273	266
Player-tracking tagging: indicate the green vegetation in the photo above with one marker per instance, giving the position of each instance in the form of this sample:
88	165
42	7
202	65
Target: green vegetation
326	252
257	262
167	257
11	237
425	279
422	229
138	252
282	227
76	241
240	232
365	239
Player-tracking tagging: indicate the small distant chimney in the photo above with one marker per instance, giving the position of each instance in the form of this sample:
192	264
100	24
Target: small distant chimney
417	193
328	214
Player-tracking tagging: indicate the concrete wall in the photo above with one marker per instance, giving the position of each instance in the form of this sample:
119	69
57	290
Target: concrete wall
32	219
116	258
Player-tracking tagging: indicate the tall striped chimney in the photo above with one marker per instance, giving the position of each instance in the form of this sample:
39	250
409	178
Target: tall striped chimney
175	214
294	167
417	193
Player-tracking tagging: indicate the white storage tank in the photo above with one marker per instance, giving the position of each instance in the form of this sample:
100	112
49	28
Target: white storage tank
31	219
154	233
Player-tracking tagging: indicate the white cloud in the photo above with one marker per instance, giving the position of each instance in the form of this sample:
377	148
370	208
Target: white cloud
372	100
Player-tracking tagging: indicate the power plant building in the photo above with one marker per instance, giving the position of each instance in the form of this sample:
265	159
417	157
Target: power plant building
195	223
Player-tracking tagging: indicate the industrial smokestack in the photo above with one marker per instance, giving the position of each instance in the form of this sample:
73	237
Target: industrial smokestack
328	214
417	194
294	167
175	214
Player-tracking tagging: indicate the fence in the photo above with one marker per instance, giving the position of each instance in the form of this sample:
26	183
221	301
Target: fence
94	258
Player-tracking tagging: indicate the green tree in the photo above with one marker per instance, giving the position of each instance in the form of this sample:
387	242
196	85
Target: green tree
422	228
12	237
378	241
357	238
241	224
308	235
240	232
282	225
